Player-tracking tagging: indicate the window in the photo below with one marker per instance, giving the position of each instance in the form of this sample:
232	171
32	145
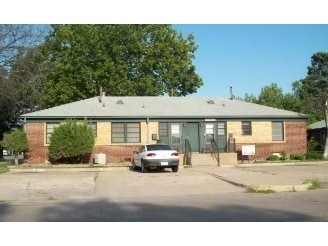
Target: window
175	133
133	132
221	129
49	130
163	129
209	133
246	128
277	131
118	133
125	132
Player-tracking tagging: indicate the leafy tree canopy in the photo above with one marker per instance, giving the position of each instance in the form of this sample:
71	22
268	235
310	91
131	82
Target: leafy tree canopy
129	60
250	98
16	69
271	96
313	89
15	141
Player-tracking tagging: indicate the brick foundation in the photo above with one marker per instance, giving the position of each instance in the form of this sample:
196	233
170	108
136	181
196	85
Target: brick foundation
115	153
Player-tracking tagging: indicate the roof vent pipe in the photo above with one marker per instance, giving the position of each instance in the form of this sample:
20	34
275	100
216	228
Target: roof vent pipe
231	93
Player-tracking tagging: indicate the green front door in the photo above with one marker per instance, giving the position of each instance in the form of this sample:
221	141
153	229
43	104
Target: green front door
191	132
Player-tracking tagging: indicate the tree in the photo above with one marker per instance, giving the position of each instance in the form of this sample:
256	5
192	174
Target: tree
250	98
71	141
313	91
15	141
271	96
24	73
16	41
127	60
291	102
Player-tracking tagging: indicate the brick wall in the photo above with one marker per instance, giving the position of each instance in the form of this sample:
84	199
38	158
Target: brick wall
38	152
115	153
147	130
295	142
261	132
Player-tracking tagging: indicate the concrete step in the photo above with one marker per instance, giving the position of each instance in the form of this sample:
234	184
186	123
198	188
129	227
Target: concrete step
206	159
203	159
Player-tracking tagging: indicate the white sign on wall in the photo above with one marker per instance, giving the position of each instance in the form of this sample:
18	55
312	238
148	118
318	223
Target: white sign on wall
248	149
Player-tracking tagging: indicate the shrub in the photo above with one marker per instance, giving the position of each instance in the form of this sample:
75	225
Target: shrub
15	141
274	158
312	144
299	157
314	156
71	141
279	156
283	156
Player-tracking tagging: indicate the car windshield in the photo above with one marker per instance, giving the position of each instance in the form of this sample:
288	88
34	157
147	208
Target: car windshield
158	147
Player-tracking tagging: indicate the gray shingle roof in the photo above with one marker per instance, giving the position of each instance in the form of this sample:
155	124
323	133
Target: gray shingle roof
161	107
317	125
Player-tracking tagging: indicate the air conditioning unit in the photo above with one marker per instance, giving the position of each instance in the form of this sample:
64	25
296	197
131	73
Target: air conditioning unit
100	159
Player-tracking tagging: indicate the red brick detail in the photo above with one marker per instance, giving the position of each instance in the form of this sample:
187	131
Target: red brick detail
115	153
295	143
37	153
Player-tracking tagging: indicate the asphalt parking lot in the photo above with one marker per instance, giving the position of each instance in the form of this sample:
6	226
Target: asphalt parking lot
125	183
58	185
205	193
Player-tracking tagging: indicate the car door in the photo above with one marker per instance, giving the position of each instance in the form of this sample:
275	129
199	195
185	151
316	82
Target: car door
138	155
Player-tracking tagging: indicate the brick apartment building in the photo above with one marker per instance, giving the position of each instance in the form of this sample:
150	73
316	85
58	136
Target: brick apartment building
122	124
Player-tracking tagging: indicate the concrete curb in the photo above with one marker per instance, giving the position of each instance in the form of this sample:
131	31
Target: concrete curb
275	188
78	169
259	188
268	164
279	188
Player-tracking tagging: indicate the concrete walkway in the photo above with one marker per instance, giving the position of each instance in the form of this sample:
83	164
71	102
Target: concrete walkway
278	177
281	177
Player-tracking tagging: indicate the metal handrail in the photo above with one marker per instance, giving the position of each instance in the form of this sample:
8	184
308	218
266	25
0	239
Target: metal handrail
215	151
187	153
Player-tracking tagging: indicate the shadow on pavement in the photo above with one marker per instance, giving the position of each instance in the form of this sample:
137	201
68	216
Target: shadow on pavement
105	211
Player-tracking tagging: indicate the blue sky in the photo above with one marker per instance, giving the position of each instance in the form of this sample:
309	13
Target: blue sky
251	56
238	45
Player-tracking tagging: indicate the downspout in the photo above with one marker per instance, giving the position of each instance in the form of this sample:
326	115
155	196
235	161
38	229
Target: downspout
24	124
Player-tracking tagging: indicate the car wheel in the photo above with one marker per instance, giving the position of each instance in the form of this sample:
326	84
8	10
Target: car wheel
175	169
143	168
134	167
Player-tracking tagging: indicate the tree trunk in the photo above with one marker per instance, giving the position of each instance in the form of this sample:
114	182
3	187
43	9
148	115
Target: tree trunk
16	160
325	153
